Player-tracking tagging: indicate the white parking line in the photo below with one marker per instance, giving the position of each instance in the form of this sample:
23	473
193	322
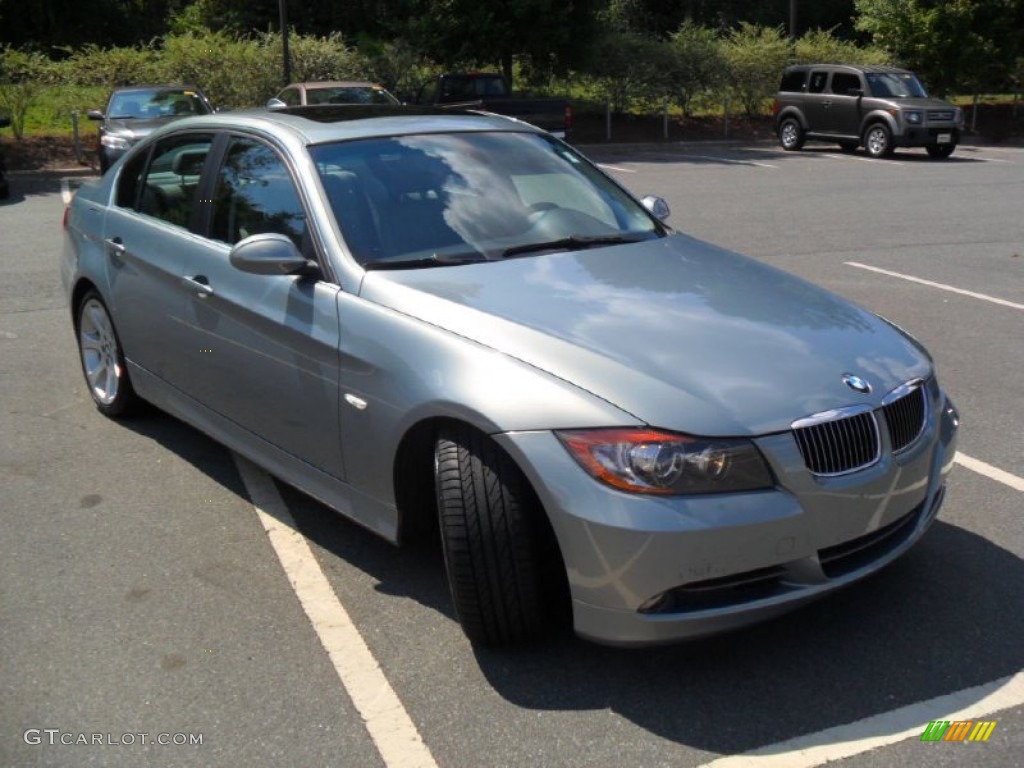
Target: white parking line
940	286
65	191
615	168
993	473
389	725
719	159
883	729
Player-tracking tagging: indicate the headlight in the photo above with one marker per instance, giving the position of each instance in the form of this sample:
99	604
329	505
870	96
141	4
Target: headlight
914	118
651	461
114	142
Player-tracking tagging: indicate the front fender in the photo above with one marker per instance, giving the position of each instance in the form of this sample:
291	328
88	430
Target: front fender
397	371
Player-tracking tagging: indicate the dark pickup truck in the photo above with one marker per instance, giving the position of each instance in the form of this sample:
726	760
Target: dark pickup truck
490	92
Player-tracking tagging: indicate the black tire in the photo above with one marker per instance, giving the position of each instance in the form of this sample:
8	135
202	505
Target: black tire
848	146
791	134
492	537
878	140
102	359
940	151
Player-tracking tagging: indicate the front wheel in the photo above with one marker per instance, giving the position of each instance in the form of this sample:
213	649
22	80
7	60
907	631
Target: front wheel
878	140
791	134
940	151
102	359
491	534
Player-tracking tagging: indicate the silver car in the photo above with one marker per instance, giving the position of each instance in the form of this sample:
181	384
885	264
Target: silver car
457	320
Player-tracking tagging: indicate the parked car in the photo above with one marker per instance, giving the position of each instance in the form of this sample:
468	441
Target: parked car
879	108
491	92
133	113
457	320
332	92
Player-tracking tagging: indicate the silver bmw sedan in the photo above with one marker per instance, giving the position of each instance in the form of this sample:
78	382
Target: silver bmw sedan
456	322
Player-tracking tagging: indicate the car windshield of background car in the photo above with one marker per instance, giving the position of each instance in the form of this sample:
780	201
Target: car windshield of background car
898	86
448	198
157	103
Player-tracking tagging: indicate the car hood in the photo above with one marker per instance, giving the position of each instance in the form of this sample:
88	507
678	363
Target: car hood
679	333
136	128
918	103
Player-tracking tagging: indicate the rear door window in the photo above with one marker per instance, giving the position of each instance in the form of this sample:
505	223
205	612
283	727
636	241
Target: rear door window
166	187
817	82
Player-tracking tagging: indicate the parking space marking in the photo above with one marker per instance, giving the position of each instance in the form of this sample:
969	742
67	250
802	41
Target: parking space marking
993	473
719	159
65	191
940	286
883	729
615	168
389	725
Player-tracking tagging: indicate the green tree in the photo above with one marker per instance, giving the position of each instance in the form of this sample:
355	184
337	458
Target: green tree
952	44
548	35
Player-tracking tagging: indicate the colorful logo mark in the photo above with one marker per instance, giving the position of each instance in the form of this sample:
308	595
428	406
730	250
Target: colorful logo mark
958	730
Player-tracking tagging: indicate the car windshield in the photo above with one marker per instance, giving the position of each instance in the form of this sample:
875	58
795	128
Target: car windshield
350	94
156	103
896	85
441	199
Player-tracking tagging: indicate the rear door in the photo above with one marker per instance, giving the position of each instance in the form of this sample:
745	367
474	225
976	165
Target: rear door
147	233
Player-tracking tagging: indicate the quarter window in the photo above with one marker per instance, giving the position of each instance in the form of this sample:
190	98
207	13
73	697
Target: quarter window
255	194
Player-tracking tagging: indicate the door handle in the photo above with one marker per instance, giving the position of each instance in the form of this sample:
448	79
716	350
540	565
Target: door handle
198	284
115	245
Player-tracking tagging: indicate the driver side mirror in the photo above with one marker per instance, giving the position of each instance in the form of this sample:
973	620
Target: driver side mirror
271	253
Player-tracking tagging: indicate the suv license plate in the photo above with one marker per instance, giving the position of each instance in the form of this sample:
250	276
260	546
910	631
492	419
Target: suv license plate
944	138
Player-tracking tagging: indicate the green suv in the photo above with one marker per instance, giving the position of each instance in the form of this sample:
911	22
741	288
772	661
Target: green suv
852	105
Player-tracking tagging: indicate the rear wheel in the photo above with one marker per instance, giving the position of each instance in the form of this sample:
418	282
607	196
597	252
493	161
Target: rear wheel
940	151
878	140
102	359
791	134
492	535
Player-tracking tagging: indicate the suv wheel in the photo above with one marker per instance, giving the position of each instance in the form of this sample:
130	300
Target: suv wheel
940	151
878	140
791	135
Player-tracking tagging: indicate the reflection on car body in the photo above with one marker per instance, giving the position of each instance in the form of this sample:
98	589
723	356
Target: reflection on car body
457	321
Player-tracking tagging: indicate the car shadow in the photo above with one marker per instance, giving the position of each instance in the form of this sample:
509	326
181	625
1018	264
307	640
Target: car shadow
943	618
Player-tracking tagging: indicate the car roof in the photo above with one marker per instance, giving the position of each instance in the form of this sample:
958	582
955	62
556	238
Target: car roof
319	124
158	86
865	68
335	84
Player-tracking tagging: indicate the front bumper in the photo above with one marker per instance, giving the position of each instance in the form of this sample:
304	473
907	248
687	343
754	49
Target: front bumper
645	570
924	136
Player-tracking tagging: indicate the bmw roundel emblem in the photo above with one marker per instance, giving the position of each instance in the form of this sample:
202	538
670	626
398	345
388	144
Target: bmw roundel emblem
856	383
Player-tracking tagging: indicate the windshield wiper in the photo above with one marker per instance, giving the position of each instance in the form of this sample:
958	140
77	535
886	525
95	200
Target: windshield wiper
573	243
434	260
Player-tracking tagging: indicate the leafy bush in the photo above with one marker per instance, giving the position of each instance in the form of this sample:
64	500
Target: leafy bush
233	72
755	57
20	73
696	64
